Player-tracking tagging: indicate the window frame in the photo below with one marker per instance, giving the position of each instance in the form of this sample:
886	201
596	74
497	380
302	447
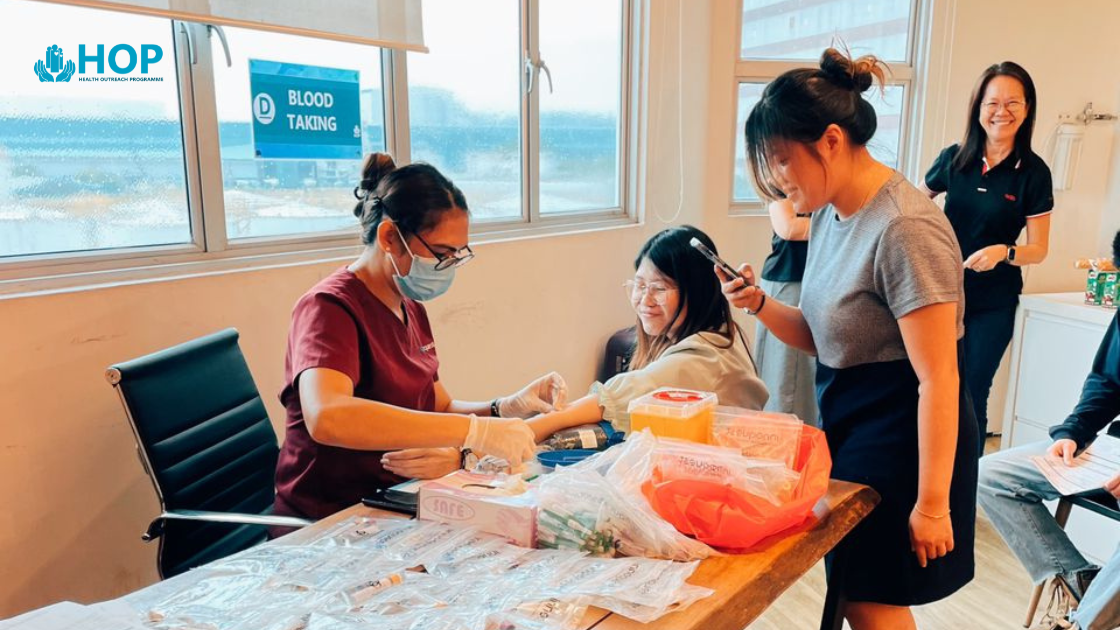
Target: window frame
211	251
906	73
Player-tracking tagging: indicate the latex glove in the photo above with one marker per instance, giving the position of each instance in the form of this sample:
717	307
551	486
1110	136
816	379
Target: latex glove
508	438
1063	449
422	463
546	394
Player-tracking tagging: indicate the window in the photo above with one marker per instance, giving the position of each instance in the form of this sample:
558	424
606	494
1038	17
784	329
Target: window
523	103
777	35
87	166
277	197
464	102
525	110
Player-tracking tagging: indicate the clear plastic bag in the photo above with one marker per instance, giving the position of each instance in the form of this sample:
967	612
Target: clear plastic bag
482	553
685	597
549	614
217	602
770	480
605	489
731	518
367	532
758	434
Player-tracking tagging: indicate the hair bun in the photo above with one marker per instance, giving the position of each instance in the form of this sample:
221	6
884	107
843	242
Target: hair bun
853	74
376	167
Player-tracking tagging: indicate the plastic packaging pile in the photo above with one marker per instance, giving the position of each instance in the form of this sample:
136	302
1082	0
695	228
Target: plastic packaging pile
363	574
665	498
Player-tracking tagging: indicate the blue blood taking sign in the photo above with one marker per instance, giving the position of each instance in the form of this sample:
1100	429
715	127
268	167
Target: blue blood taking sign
305	112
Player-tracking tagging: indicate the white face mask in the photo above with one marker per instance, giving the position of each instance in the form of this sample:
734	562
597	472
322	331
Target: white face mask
423	282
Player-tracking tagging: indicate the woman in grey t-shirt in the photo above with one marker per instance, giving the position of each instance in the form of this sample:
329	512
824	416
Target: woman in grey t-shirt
881	308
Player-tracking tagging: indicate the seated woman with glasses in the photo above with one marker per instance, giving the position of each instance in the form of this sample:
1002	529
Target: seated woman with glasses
686	338
365	405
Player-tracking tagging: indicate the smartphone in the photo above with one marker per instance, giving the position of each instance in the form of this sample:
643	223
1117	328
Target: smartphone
716	260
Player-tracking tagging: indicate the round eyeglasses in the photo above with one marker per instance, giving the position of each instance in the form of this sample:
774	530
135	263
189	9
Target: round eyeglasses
637	291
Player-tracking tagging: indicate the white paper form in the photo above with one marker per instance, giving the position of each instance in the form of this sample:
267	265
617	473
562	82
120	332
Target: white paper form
71	616
1091	469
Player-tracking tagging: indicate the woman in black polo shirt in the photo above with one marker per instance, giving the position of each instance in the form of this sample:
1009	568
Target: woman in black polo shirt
788	372
995	186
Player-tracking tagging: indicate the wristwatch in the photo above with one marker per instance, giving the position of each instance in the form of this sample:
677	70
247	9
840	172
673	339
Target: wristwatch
1010	253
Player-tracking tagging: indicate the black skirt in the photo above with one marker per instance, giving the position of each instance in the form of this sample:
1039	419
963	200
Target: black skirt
870	416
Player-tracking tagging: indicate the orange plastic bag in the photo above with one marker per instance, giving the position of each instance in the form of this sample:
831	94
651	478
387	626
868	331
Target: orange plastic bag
729	518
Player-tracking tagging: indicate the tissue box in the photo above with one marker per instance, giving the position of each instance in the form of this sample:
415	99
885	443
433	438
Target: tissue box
483	502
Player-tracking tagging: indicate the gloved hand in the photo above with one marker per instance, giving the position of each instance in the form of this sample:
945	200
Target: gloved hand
508	438
547	393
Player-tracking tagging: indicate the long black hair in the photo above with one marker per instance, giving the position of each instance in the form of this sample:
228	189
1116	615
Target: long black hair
413	196
800	104
972	147
704	307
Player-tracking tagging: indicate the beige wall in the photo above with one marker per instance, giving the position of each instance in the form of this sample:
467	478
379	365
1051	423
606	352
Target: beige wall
75	497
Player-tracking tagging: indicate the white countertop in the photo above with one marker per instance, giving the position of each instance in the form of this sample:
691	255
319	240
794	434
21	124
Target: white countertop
1069	305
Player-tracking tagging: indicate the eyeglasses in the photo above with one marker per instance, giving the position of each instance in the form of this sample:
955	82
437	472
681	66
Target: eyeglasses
457	258
636	291
1013	107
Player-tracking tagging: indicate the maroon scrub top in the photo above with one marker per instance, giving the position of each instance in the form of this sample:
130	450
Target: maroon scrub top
340	325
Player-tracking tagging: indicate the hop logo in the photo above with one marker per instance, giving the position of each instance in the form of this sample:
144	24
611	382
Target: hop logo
52	69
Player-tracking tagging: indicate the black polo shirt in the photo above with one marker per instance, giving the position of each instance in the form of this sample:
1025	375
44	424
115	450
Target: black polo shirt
786	262
992	209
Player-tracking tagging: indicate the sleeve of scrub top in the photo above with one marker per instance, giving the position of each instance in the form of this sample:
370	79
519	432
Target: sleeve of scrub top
324	335
937	178
1100	395
615	395
1040	193
918	263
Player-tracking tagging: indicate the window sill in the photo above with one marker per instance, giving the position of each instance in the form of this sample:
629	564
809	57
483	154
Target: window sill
45	280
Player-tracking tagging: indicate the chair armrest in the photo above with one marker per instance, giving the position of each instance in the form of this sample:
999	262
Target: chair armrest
1100	502
155	529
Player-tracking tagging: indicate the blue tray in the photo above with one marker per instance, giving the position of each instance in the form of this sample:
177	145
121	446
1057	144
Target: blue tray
564	458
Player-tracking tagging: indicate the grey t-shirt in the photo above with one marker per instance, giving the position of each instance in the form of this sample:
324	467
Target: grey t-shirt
896	255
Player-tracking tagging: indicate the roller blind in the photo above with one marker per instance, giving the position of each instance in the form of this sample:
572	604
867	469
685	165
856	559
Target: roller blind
384	23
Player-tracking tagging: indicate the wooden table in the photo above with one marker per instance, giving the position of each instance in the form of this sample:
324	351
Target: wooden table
745	585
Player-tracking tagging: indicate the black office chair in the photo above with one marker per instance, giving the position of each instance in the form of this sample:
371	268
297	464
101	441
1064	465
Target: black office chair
1101	502
204	438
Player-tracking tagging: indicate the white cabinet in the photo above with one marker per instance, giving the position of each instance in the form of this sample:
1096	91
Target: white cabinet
1056	338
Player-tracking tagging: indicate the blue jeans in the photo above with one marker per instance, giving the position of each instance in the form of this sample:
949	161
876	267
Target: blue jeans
986	336
1011	492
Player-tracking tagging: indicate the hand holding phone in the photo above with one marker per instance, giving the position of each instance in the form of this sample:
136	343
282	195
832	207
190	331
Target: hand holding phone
716	260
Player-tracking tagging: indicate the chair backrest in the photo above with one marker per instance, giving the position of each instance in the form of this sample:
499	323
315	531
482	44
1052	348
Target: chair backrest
619	351
206	442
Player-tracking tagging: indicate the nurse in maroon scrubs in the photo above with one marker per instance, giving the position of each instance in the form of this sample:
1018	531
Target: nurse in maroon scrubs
365	405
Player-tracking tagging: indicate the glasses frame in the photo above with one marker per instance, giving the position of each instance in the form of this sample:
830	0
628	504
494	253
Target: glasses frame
631	285
1012	107
458	258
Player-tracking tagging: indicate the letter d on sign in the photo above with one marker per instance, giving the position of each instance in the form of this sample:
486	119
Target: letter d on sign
264	109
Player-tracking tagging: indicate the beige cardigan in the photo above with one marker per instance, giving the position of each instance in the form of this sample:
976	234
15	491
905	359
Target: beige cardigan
696	362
